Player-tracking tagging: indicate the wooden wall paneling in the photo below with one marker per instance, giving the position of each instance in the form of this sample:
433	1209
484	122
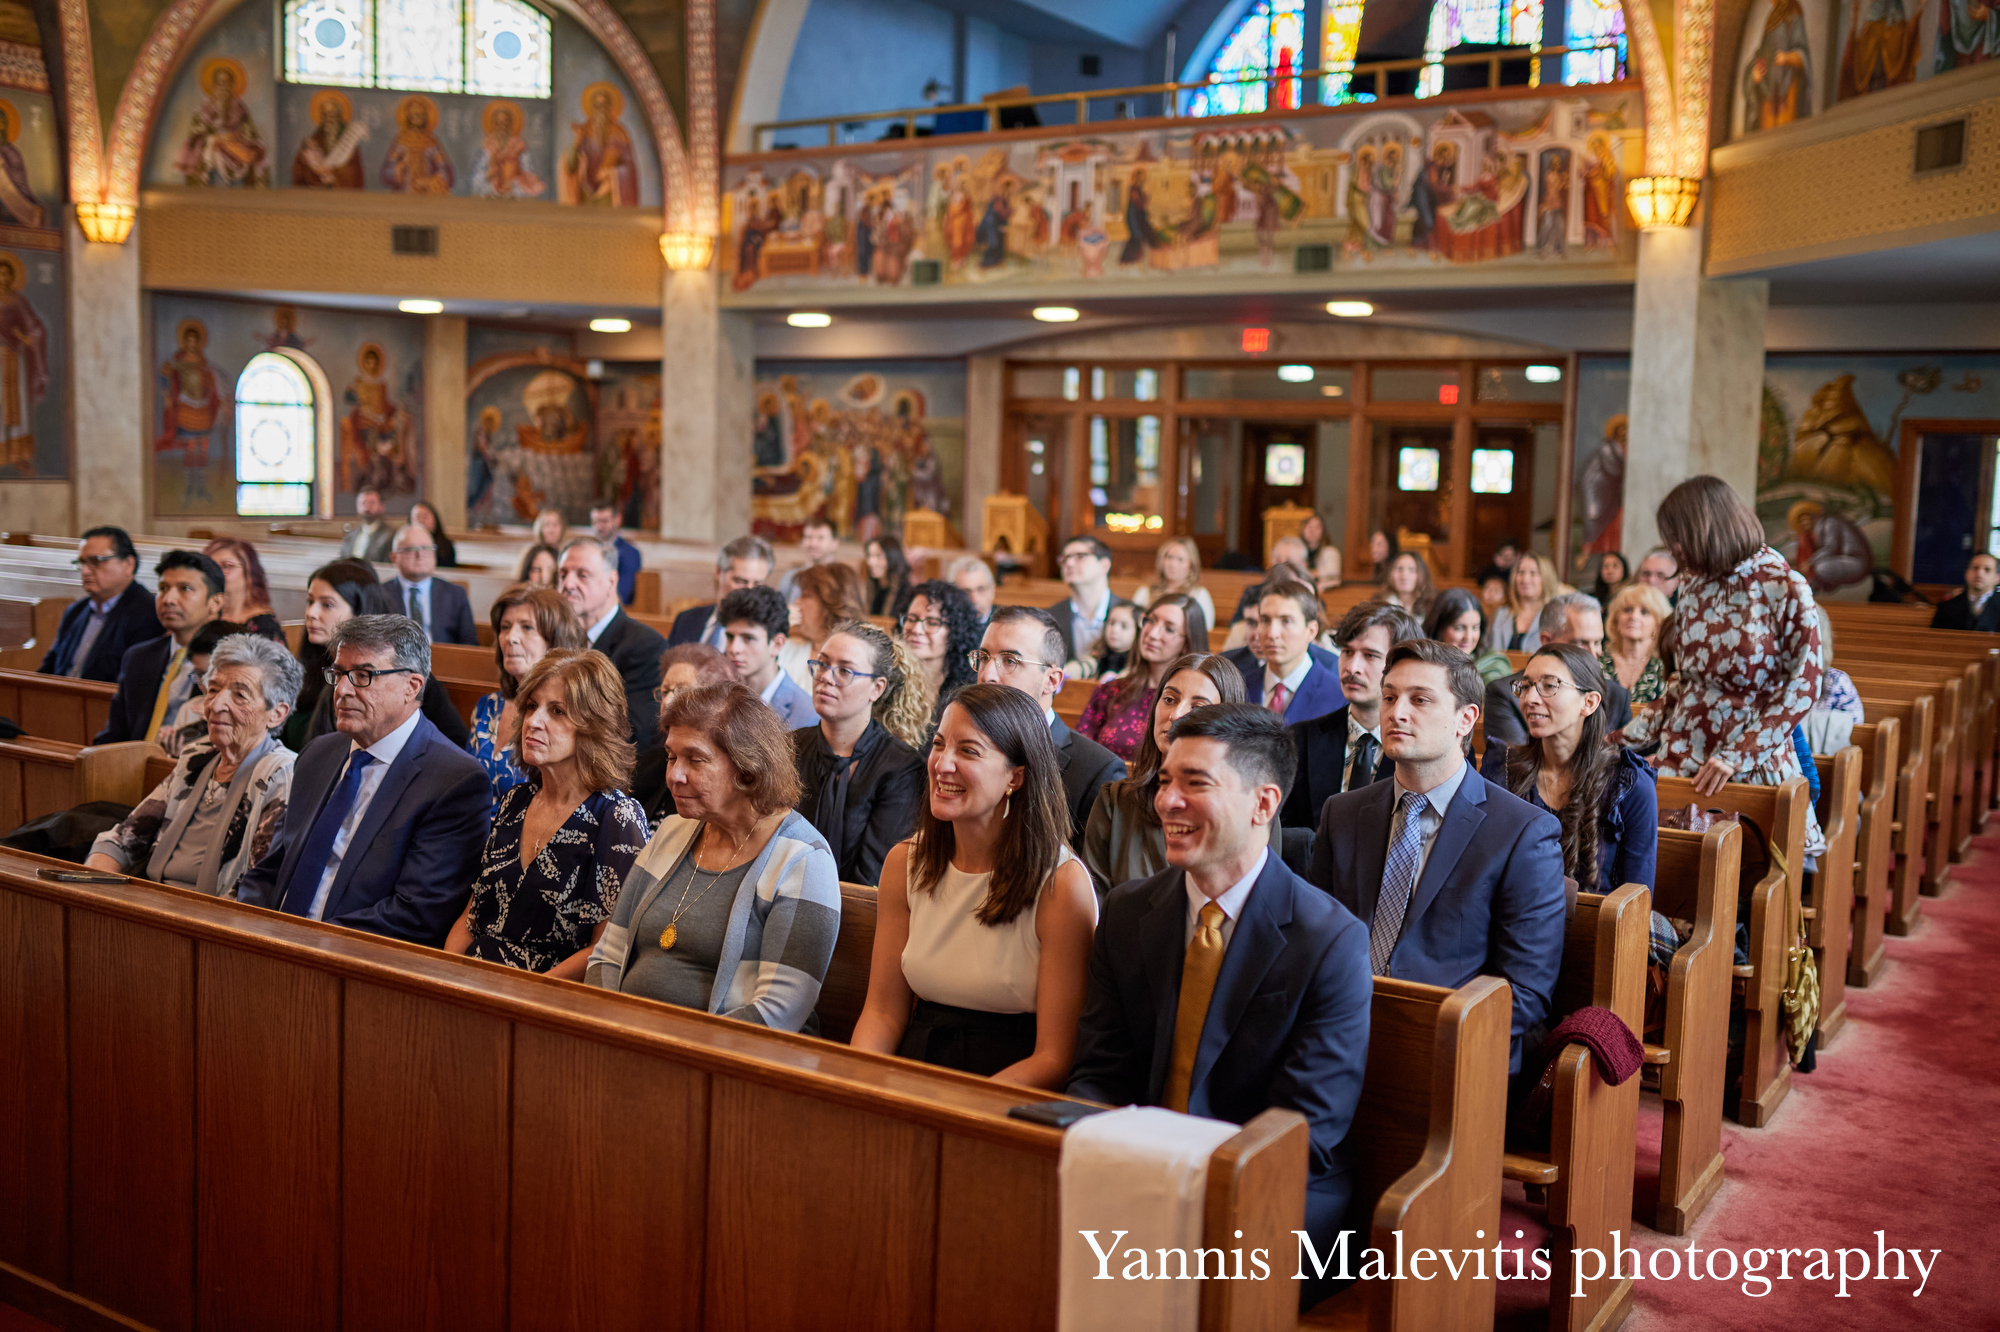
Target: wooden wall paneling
788	1175
34	1088
267	1133
998	1214
610	1183
424	1164
132	1165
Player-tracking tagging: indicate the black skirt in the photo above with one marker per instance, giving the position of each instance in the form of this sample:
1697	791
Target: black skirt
967	1039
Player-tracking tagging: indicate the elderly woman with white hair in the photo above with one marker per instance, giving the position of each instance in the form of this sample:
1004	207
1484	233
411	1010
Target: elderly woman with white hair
217	811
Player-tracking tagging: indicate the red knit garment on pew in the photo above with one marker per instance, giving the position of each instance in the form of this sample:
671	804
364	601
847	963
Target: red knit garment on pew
1602	1032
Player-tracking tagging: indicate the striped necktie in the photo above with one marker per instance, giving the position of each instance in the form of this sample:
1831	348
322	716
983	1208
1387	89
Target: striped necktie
1399	880
1281	698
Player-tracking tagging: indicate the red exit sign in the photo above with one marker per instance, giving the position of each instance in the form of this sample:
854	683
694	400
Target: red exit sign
1256	341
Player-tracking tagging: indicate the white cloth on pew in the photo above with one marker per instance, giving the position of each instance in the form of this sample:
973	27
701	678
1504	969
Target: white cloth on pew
1144	1171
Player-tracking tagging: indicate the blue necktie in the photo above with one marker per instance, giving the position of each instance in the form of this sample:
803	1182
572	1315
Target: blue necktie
1399	880
318	849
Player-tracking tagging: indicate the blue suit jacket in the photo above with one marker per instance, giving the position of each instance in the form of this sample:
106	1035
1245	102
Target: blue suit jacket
1490	901
1317	694
628	569
130	621
1287	1026
409	869
689	624
793	705
451	609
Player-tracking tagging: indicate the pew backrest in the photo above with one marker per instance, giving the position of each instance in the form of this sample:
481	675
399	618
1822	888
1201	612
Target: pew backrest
845	988
53	707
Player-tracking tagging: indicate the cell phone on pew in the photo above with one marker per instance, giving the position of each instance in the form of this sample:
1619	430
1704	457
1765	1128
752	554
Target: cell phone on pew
78	876
1055	1114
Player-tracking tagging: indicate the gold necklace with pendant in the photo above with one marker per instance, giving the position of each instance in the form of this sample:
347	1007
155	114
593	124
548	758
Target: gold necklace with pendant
673	930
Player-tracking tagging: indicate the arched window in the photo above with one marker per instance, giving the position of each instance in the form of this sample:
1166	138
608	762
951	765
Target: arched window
1340	38
1587	22
1486	22
1248	72
492	48
277	453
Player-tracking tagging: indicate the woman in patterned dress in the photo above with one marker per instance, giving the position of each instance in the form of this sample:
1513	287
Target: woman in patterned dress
563	841
528	622
1120	711
1744	645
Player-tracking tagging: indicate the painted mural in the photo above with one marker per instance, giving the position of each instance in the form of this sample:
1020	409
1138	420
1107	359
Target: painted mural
859	443
1779	77
1521	183
1887	43
1597	501
34	443
375	376
542	433
229	122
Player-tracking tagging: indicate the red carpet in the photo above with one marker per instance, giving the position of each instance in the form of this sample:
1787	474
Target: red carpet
1893	1132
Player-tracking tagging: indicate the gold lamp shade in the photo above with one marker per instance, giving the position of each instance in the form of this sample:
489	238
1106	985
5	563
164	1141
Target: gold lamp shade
1662	201
686	251
107	223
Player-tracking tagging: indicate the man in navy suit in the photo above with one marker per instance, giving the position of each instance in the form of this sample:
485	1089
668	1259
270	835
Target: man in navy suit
589	576
1247	659
115	613
1974	607
1224	986
1290	681
1021	649
1343	749
387	818
1455	877
744	562
604	526
442	609
155	677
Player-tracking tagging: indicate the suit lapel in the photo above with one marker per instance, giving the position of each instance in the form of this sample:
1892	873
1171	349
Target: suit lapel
1163	953
394	782
1060	733
1461	823
1254	946
1371	830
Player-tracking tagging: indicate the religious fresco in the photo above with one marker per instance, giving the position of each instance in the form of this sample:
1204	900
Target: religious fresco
1780	65
230	123
1887	43
374	371
1597	499
34	441
1524	183
859	443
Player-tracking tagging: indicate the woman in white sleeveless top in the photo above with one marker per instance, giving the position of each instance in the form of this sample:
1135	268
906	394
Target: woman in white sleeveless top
985	916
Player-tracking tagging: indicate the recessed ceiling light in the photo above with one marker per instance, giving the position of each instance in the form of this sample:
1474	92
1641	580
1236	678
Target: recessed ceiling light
1544	374
1350	309
808	319
1296	374
420	307
611	326
1055	314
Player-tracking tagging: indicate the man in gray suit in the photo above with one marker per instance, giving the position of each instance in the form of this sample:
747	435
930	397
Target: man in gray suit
368	539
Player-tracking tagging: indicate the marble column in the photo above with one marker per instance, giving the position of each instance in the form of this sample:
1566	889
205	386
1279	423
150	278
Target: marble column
444	418
1697	378
108	380
707	365
984	405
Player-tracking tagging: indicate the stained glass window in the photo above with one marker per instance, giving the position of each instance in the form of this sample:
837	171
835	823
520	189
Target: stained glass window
275	447
1250	70
1340	38
1588	22
492	48
1484	22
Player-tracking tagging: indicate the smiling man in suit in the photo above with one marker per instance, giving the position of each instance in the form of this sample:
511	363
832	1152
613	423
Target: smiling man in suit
1224	985
589	576
115	612
1022	649
1086	567
1290	681
1454	877
1343	749
387	817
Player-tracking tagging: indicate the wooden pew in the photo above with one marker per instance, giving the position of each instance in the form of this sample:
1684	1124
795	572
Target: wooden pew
314	1120
39	777
1947	743
1780	811
1829	889
1695	880
1874	848
1073	699
1914	720
1933	646
53	707
845	989
1588	1168
1968	774
1428	1133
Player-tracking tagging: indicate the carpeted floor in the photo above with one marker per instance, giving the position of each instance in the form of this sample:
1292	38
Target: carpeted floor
1895	1131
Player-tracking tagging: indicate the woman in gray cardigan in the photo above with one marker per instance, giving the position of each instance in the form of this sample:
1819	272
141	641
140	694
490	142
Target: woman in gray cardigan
734	904
1122	841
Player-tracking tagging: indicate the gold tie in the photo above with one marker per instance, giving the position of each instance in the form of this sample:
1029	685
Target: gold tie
166	690
1204	960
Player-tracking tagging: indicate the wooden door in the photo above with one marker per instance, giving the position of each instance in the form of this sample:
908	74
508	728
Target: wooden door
1502	492
1279	467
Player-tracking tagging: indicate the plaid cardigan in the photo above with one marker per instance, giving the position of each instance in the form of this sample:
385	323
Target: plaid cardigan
244	841
781	930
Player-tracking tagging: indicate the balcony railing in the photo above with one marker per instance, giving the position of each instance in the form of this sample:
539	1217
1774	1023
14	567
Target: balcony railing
1367	82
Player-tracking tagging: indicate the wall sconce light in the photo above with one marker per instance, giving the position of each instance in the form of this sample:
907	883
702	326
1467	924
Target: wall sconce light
1662	201
107	223
686	251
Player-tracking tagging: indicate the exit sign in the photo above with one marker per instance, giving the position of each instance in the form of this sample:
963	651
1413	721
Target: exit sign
1256	341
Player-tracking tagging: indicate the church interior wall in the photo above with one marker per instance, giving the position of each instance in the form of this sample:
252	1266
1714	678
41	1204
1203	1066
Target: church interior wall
34	407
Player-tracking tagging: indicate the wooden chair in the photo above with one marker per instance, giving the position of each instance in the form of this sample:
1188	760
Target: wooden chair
1695	880
1829	889
1915	719
1874	848
1588	1168
845	988
1780	811
1428	1137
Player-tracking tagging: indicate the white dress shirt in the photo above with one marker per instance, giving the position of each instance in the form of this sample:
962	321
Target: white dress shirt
1290	682
1231	902
603	624
1086	631
1355	730
1437	801
384	752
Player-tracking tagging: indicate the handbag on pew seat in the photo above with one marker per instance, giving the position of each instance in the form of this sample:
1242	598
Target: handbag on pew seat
68	833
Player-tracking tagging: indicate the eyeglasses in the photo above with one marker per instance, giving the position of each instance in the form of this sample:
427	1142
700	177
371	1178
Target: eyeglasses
1547	687
661	693
413	550
930	622
840	673
1009	662
93	561
363	676
1071	556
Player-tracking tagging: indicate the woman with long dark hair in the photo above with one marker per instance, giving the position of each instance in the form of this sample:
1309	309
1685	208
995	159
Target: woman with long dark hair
1602	794
888	577
428	518
1408	583
1457	620
246	592
982	937
1120	711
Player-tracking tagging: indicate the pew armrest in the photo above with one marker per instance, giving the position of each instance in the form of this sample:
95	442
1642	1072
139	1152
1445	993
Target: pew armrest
114	772
1529	1168
1659	1054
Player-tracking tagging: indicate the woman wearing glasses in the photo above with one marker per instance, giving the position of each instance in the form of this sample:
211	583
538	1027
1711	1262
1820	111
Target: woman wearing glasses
333	597
528	622
941	629
1602	794
1120	711
859	784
